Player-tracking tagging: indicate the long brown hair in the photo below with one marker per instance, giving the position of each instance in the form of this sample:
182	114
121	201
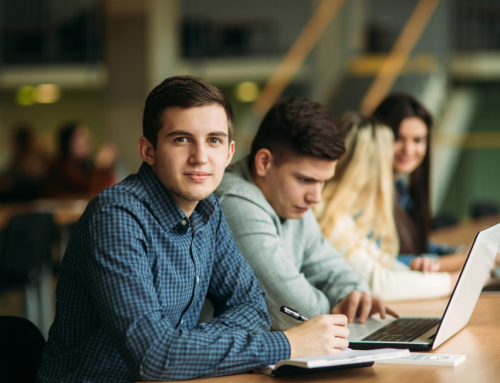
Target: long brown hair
392	111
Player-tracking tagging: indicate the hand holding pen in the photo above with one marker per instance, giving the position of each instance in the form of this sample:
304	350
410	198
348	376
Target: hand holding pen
321	335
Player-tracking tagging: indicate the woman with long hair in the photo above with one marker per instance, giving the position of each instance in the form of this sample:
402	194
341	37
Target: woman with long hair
357	215
411	124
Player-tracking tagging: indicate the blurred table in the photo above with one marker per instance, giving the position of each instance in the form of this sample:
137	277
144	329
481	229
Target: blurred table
463	233
65	212
479	341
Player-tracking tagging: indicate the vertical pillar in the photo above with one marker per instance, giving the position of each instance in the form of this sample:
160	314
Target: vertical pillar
163	40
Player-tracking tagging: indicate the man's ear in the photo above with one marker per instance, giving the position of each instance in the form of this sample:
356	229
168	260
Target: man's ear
146	151
263	161
230	154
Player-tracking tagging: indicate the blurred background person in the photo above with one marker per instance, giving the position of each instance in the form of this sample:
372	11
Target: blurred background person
411	124
357	215
75	173
20	180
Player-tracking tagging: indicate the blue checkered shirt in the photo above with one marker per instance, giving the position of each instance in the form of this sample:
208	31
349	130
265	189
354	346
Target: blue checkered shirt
131	287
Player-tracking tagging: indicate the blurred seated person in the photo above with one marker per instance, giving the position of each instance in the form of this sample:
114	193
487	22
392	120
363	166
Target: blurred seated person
357	215
75	174
21	179
411	124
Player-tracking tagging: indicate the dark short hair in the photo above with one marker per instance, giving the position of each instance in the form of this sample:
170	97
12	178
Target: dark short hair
297	126
184	92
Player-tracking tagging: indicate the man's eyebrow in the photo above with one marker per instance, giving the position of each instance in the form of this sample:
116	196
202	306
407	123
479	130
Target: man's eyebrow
219	133
180	133
299	175
186	133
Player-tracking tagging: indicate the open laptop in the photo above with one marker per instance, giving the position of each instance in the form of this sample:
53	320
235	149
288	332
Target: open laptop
423	334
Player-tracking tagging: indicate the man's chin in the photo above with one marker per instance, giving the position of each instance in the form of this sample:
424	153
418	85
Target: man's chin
196	195
294	215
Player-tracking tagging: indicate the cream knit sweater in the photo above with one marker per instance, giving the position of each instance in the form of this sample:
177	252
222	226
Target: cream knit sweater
389	283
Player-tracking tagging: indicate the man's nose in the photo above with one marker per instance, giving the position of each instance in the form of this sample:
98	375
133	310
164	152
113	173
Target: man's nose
198	154
314	194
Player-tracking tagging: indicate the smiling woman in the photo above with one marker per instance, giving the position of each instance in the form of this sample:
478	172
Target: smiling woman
412	127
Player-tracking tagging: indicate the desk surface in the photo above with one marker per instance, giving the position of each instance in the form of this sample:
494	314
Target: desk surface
464	232
479	341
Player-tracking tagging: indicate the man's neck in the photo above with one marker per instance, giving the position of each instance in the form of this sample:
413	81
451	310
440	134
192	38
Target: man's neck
260	183
187	207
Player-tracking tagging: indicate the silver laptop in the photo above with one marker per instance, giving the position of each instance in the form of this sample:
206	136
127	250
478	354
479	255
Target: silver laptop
423	334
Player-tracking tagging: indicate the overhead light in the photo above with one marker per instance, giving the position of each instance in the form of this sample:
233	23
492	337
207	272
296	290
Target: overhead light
47	93
24	95
247	91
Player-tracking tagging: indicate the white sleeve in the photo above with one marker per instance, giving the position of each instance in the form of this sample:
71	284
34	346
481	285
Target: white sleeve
396	282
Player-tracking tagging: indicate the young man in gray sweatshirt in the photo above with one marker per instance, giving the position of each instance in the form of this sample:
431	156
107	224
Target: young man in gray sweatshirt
267	199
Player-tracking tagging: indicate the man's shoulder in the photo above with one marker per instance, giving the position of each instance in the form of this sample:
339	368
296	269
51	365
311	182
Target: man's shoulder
233	183
236	183
129	194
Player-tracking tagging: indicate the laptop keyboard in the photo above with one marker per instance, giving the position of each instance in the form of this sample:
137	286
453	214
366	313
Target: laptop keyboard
402	330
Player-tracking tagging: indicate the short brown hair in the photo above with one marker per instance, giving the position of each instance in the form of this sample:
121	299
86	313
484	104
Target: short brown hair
301	127
185	92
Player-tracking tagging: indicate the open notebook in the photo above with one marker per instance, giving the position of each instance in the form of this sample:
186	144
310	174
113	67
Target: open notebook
352	359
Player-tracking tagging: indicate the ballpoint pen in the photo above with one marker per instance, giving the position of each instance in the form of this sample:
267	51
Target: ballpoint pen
293	313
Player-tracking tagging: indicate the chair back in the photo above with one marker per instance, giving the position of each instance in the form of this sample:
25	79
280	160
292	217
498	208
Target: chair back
27	244
21	347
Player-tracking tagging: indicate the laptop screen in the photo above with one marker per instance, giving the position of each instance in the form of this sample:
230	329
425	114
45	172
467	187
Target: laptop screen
470	283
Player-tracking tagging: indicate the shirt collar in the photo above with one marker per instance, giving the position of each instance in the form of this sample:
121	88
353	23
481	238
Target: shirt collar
164	207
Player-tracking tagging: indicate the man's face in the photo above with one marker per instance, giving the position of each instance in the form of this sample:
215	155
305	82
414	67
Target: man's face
192	152
296	185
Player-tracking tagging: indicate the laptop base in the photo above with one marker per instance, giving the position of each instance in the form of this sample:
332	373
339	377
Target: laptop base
375	345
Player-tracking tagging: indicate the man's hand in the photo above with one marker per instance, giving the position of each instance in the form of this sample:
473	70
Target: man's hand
424	264
321	335
362	305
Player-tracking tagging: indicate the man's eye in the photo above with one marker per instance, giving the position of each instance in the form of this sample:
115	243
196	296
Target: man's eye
181	139
214	140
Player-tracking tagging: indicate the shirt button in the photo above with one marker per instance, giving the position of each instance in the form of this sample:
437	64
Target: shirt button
197	279
183	222
182	320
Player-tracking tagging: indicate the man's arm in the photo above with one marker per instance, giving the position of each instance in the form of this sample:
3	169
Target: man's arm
117	272
326	267
284	282
238	300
